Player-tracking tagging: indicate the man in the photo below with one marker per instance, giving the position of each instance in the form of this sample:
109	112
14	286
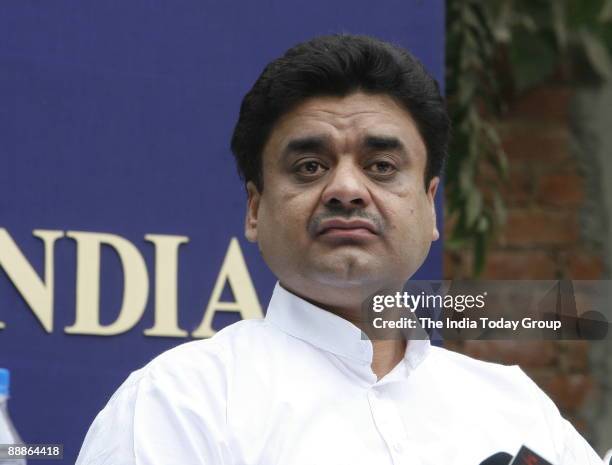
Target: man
341	143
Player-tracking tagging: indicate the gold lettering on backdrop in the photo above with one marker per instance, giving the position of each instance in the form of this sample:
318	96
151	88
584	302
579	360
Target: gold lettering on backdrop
37	293
235	272
135	282
166	274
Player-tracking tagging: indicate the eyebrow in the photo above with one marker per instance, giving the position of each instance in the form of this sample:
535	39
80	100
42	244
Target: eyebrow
316	144
384	143
320	143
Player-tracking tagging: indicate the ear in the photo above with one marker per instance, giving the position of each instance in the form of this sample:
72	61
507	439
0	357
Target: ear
250	223
431	195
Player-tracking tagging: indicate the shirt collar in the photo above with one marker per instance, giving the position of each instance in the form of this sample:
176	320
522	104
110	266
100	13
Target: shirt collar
327	331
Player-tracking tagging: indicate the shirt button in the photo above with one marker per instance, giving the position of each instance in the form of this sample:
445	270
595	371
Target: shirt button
397	447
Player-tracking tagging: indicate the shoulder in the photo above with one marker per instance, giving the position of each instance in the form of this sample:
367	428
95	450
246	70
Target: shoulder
180	392
505	387
216	355
467	365
457	362
206	368
506	395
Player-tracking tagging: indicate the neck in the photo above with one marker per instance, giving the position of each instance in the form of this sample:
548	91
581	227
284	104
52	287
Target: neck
387	354
388	349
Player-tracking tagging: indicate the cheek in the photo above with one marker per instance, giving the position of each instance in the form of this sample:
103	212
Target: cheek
282	221
410	221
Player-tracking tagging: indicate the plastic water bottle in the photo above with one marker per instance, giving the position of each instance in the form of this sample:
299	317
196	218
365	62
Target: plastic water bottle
8	434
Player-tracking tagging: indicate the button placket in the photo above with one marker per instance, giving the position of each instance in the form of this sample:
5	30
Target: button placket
389	425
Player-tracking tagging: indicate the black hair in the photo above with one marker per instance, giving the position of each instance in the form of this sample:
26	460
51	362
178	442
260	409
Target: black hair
337	65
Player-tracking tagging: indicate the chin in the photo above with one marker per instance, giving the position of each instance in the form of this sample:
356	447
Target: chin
348	277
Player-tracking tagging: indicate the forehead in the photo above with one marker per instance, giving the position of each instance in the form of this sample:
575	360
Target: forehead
347	119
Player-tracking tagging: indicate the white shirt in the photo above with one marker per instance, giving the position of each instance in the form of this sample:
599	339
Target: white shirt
297	388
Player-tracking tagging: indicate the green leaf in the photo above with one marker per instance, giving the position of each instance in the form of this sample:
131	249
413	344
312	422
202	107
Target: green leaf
466	92
470	17
582	13
597	54
525	21
605	15
466	180
473	206
533	59
483	225
480	253
455	243
559	23
496	154
502	27
499	207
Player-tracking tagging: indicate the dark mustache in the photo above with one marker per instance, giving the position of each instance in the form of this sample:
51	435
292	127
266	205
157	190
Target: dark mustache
333	211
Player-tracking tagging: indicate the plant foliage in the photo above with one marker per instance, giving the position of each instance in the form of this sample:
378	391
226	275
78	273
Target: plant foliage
495	51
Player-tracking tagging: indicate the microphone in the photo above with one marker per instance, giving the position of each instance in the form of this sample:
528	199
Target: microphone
525	456
501	458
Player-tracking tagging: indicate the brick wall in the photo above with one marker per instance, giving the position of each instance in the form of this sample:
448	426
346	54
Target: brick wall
542	239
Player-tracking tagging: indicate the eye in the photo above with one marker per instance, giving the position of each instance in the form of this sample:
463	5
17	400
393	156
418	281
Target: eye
383	168
310	168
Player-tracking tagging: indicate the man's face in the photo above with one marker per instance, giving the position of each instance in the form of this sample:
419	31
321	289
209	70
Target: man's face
343	209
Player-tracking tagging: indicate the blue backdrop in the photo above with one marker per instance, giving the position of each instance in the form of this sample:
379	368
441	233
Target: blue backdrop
115	118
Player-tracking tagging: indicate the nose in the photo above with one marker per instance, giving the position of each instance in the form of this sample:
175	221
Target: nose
346	187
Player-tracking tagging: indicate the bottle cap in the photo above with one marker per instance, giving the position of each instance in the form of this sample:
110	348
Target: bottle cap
5	381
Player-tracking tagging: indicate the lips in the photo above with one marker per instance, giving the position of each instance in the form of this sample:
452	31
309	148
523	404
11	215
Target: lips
347	227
